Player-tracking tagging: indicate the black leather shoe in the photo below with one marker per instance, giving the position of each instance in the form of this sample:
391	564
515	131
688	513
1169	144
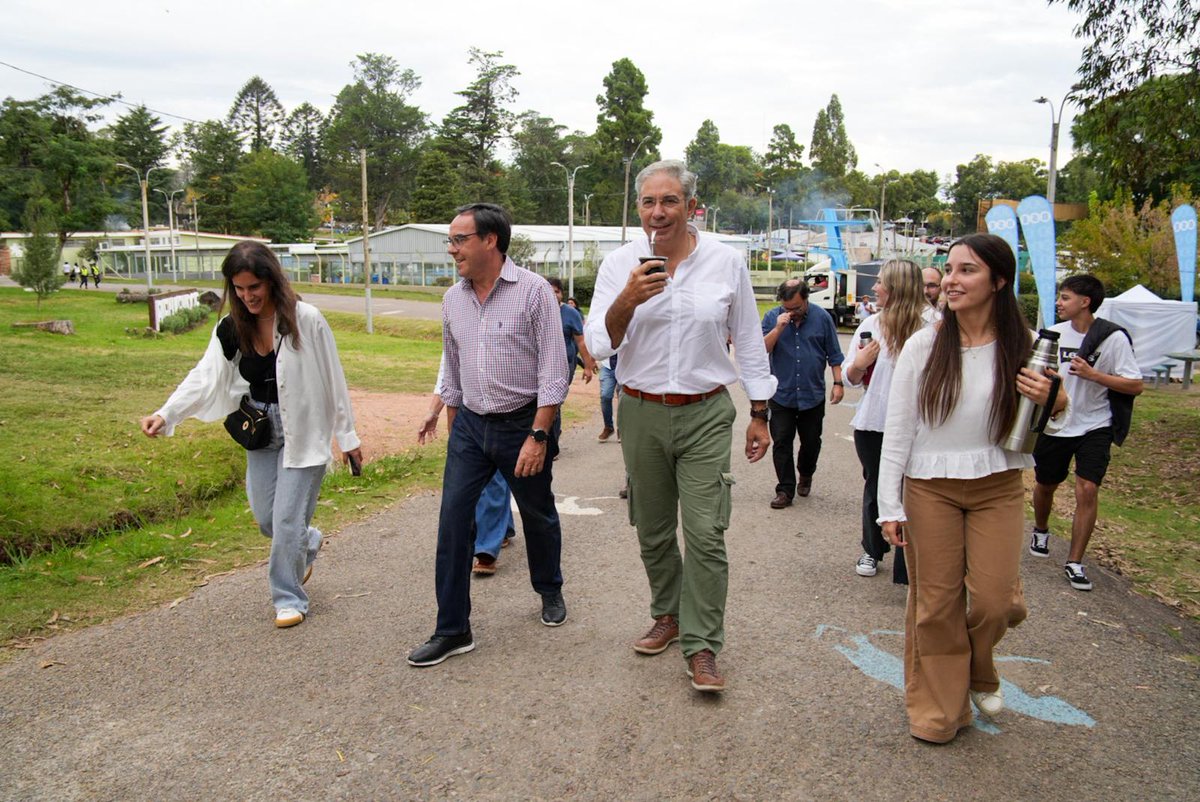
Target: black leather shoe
781	500
439	647
554	609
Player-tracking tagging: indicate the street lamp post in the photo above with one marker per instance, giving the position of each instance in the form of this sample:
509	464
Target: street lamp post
570	225
714	210
625	198
587	208
882	197
143	182
1054	123
171	228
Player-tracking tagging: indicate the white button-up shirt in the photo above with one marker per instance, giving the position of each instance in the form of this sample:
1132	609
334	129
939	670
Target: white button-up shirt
676	341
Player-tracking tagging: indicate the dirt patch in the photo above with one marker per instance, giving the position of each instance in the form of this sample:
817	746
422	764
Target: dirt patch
387	422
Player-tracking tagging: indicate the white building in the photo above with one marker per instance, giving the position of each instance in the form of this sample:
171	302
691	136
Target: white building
416	253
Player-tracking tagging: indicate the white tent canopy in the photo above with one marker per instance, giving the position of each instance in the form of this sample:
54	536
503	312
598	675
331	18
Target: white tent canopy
1158	327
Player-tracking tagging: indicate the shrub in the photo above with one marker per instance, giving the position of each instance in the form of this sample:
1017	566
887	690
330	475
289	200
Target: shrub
184	319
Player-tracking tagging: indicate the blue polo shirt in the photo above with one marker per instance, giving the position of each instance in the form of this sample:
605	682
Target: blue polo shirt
572	325
800	355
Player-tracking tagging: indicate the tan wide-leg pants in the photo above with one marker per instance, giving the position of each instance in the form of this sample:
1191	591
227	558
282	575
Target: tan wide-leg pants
964	554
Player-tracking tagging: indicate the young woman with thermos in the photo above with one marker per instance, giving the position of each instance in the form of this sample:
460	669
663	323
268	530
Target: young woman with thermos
954	397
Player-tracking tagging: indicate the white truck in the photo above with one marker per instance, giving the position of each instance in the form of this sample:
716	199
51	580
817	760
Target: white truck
838	292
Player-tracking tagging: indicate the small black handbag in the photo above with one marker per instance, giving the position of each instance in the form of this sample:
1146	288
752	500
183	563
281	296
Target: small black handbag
249	426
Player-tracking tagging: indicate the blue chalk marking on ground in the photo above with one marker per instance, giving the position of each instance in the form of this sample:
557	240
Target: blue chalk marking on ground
885	667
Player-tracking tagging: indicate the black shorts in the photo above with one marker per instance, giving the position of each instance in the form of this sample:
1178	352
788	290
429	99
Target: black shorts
1052	456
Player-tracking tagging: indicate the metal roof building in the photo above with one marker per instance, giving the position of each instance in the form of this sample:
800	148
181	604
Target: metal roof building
416	253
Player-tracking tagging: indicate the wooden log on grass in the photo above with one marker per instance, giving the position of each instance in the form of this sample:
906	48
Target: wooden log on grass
52	326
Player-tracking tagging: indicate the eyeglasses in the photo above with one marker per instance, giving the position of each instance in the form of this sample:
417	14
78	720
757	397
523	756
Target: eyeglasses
458	239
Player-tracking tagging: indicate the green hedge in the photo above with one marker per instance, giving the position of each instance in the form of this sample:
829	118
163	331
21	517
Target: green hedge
184	319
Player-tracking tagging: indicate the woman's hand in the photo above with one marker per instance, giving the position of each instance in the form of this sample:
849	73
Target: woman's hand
1035	386
865	356
893	532
152	425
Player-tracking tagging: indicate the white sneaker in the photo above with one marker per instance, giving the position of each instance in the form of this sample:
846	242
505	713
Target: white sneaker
989	703
866	565
288	617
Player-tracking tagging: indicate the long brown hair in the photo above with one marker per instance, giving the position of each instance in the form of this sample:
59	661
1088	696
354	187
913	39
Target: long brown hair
901	317
254	257
942	379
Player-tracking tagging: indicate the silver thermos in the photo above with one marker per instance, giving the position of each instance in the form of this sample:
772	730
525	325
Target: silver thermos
1031	419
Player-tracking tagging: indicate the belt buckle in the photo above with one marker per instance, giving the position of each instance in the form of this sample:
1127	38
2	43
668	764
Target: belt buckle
666	402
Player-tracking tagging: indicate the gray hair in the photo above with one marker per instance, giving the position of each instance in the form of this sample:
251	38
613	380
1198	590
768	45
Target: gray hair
673	167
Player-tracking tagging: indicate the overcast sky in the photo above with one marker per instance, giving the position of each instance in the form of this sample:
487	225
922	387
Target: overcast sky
924	84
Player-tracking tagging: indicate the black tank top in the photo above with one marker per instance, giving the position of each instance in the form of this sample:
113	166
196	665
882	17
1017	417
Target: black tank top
255	368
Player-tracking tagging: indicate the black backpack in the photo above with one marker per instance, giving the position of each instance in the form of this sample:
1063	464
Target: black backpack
1121	404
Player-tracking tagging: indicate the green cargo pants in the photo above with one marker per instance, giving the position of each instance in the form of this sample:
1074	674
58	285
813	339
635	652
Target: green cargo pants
677	459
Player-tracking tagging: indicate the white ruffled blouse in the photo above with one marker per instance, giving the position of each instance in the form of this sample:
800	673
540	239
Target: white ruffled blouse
961	447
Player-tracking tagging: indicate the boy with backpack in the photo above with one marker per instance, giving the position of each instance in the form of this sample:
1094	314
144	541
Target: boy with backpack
1101	377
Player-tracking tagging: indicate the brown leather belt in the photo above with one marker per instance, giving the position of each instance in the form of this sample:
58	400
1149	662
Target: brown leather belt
671	399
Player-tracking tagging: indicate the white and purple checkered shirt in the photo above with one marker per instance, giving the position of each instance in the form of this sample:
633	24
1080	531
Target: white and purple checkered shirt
507	351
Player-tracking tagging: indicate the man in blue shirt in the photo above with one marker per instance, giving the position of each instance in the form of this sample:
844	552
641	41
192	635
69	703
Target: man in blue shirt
572	323
801	340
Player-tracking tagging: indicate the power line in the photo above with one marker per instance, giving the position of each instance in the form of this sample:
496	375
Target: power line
113	98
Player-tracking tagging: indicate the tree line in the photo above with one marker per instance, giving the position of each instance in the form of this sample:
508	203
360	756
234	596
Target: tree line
264	170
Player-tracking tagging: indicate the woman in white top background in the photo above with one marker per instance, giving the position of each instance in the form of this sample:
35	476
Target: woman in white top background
279	351
962	520
905	310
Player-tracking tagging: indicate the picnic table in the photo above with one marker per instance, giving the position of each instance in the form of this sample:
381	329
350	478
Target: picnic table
1187	358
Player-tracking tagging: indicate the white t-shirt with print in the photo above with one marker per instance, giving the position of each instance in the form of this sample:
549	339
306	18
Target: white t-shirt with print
1089	400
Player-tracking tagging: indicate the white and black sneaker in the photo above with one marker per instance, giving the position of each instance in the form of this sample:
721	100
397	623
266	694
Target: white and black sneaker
1039	544
1077	577
866	565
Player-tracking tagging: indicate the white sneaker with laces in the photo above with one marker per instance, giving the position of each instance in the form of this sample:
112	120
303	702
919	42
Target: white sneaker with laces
866	565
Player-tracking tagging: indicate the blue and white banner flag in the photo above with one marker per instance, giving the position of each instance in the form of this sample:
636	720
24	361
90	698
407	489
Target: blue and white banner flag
1002	221
1037	223
1183	220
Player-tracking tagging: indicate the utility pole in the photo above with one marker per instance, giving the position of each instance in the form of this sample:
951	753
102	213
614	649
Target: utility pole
571	224
171	229
366	229
144	182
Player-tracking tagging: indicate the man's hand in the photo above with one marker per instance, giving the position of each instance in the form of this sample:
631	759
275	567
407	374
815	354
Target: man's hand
428	429
783	319
532	458
836	394
641	287
758	438
589	370
893	532
1082	369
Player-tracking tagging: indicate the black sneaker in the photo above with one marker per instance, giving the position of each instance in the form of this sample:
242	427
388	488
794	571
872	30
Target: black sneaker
554	609
439	647
1077	577
1039	544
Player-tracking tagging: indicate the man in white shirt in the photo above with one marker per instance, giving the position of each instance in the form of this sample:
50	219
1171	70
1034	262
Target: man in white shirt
1087	434
669	313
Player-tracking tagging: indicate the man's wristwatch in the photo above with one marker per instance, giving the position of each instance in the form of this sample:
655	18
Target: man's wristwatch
839	384
761	414
539	435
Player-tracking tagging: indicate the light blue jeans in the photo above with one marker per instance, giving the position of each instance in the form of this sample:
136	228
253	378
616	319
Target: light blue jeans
608	389
493	516
283	501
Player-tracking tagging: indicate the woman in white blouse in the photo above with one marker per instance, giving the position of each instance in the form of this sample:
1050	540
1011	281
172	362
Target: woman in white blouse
280	352
962	521
905	310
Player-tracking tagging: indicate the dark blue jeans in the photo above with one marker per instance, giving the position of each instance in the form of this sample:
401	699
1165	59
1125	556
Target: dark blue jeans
479	446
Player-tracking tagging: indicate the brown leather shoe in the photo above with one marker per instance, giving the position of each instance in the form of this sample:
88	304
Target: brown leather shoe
804	485
702	668
664	632
605	433
485	565
781	500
